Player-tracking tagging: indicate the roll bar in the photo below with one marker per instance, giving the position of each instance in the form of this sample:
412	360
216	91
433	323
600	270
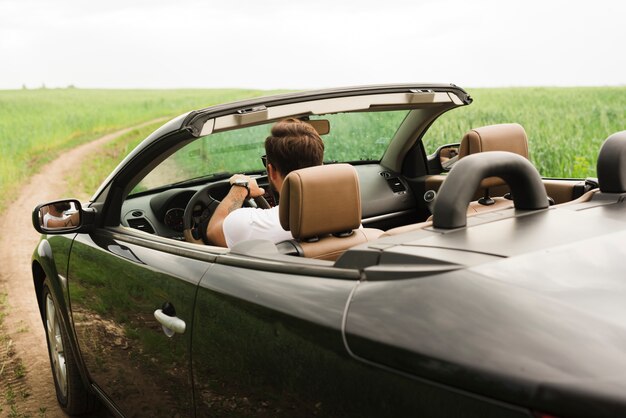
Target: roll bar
450	210
612	164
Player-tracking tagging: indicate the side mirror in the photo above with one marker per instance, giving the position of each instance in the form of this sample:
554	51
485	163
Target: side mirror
62	217
447	155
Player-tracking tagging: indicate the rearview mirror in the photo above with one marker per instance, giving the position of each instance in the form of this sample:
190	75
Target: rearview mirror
322	126
60	217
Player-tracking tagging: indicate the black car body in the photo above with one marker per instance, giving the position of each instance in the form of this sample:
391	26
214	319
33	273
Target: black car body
517	311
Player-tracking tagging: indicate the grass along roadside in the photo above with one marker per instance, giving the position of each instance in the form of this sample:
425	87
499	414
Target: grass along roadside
93	172
13	387
37	125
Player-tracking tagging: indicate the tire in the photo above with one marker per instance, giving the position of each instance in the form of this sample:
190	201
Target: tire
73	396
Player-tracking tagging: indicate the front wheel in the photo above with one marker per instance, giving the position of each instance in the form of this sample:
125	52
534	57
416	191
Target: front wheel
72	394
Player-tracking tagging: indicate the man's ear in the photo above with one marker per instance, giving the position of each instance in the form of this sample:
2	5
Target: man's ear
272	172
275	176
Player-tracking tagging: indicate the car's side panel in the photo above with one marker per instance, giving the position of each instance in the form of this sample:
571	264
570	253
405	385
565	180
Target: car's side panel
268	343
115	287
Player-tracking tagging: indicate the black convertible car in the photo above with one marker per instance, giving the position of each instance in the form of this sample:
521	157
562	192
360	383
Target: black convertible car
426	282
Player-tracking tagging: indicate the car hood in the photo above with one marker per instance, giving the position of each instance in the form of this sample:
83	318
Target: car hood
545	329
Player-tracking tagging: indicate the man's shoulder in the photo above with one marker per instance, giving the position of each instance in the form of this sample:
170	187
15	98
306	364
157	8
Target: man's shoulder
252	223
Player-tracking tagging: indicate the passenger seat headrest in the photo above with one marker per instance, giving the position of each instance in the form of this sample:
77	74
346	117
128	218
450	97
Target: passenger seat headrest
509	137
612	164
321	200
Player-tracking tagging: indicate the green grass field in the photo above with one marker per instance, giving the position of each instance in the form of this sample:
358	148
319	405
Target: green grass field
36	125
565	126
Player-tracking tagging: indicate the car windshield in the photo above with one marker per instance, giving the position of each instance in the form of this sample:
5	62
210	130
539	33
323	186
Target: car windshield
353	137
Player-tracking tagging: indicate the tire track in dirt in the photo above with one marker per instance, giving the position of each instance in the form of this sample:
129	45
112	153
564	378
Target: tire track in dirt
22	338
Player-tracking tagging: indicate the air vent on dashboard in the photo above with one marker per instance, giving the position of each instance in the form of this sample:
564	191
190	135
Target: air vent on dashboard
396	185
141	224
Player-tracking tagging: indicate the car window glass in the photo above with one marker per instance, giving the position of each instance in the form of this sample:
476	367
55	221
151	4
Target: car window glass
361	136
353	137
450	127
232	151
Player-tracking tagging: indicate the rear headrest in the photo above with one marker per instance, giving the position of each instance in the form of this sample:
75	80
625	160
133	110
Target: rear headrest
612	164
509	137
320	200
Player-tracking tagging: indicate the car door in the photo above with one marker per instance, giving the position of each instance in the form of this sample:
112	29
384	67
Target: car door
267	339
116	282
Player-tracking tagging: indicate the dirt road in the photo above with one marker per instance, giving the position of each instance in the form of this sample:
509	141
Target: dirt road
23	347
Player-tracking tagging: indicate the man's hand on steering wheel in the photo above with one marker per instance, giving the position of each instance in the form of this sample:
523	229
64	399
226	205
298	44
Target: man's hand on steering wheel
250	183
253	196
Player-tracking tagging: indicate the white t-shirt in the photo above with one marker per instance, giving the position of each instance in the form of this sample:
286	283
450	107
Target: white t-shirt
253	223
48	217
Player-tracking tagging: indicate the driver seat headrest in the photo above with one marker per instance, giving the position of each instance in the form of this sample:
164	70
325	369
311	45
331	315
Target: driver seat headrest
320	200
321	206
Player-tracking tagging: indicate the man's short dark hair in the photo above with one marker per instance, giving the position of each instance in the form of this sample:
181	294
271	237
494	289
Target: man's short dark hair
293	144
62	206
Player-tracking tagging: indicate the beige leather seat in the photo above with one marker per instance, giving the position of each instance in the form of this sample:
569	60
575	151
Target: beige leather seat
321	206
509	137
501	137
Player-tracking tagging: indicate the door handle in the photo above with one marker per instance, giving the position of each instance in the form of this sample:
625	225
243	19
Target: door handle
171	324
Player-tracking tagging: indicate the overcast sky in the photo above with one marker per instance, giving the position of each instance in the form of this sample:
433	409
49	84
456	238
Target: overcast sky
323	43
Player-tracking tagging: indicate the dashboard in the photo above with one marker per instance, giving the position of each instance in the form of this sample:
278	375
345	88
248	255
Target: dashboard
387	200
162	213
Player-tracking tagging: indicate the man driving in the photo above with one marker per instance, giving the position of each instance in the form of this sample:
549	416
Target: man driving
292	145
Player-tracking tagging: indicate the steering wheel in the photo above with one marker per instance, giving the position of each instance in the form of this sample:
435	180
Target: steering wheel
208	204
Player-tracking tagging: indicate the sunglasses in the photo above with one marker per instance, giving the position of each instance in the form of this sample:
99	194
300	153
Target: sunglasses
264	160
